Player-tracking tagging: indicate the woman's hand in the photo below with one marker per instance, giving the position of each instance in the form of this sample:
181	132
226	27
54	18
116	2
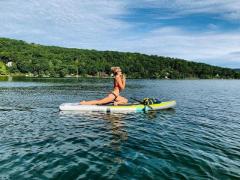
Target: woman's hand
124	77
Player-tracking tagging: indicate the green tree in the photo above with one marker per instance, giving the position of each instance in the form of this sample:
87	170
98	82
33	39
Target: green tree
56	61
3	68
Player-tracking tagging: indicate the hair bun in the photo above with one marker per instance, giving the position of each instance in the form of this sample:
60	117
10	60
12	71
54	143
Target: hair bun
114	68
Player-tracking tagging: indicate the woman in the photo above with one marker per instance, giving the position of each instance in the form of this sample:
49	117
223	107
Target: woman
114	96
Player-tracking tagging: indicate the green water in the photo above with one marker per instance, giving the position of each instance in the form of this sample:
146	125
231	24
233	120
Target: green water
199	139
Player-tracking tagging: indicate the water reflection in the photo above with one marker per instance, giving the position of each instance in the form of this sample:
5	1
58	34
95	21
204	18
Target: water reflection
116	121
50	80
155	115
115	124
119	133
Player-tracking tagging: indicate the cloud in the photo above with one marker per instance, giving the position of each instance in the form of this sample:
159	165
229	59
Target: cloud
88	21
232	59
98	25
214	48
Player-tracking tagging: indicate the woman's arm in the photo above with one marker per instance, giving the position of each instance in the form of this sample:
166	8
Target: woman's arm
124	81
121	82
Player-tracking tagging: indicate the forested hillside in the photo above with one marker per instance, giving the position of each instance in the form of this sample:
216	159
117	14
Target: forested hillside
51	61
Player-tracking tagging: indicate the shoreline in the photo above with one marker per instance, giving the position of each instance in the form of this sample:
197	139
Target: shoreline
99	77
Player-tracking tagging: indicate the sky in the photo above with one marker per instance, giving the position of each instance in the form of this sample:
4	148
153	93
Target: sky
198	30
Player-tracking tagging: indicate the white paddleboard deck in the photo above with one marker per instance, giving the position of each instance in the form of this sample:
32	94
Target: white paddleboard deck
120	108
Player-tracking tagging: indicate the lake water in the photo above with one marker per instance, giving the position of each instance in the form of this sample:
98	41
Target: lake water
199	139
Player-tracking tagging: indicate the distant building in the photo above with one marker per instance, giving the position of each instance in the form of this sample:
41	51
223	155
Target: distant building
9	64
166	76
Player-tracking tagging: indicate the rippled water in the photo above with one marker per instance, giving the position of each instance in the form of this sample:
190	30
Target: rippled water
198	139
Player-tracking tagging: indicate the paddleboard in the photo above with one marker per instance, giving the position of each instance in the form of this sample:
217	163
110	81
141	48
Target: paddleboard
119	108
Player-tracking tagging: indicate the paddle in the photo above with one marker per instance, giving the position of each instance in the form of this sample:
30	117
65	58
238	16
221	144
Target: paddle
141	102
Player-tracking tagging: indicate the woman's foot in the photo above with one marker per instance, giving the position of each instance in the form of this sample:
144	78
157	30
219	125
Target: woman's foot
116	103
82	102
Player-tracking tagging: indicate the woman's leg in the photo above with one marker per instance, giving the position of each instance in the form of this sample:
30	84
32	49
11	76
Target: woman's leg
105	100
120	100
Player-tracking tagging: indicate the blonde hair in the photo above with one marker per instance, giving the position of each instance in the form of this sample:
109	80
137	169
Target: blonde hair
113	69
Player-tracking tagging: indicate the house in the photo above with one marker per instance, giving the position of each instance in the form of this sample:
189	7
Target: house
9	64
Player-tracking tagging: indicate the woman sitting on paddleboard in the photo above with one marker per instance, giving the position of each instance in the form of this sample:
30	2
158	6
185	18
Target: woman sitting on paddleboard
114	96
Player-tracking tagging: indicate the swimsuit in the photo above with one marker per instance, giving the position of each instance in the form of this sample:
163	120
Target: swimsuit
114	96
115	86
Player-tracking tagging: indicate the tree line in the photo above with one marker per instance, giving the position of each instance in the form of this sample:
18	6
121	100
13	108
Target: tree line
52	61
